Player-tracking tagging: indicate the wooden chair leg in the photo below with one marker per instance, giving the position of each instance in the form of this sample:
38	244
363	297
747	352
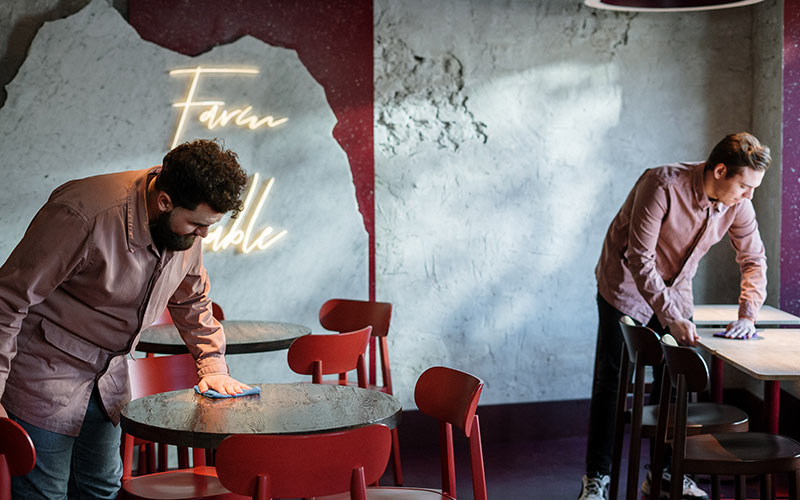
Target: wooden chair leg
163	464
619	425
396	464
766	487
715	487
740	488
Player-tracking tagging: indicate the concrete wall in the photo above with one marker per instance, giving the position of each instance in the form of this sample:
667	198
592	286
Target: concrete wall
507	135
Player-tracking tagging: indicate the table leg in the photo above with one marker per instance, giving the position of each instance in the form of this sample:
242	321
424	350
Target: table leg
772	402
716	379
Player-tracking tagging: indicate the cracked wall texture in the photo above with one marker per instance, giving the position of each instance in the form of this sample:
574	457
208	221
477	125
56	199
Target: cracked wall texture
507	136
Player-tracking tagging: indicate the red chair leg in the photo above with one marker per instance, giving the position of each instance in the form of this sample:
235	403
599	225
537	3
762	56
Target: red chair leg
396	464
476	456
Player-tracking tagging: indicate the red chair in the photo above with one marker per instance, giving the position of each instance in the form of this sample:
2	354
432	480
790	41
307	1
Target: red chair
451	397
345	315
264	467
319	355
17	454
151	376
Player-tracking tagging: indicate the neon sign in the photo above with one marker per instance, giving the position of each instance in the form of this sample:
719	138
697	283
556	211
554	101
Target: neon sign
214	115
233	235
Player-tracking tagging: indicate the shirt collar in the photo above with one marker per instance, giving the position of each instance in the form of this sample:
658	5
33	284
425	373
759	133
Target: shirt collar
138	224
700	192
700	195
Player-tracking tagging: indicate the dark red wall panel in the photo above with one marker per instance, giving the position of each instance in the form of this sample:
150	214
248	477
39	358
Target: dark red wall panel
790	180
333	39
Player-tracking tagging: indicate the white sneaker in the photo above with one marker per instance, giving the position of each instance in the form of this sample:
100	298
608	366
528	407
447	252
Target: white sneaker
595	488
690	489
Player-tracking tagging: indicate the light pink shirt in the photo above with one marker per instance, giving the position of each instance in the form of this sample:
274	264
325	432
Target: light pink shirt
655	242
77	291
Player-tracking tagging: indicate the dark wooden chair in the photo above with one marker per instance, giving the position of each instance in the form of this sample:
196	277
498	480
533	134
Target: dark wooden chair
345	315
17	454
738	453
643	349
265	467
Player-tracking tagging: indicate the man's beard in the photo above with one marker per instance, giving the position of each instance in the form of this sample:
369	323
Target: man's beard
166	239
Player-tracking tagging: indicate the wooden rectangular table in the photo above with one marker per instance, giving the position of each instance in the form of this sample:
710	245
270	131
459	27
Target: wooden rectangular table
720	315
773	355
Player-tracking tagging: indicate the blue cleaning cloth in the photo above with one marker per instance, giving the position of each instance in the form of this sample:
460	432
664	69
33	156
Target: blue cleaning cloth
211	393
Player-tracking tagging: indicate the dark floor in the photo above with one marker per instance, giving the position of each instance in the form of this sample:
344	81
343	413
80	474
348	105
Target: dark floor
542	469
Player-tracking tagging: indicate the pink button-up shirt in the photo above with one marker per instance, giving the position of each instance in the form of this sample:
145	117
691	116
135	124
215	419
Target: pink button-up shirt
655	242
77	291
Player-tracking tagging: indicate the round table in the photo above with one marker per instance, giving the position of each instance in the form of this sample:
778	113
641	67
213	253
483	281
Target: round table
240	337
185	418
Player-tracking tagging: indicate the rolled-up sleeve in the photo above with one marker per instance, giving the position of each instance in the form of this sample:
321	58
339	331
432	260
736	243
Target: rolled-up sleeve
752	260
190	308
650	206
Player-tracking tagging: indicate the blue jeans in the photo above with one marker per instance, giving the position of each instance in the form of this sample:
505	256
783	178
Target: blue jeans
84	467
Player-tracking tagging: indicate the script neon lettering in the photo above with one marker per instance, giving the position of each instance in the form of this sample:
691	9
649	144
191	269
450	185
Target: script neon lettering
233	235
215	116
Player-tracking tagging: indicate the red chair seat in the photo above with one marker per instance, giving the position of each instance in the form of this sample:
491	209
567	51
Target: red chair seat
394	493
199	482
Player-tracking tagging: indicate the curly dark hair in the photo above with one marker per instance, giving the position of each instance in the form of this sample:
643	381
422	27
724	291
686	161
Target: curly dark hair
203	171
737	151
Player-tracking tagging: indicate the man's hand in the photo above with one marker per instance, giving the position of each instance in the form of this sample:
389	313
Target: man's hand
684	332
741	329
223	384
3	412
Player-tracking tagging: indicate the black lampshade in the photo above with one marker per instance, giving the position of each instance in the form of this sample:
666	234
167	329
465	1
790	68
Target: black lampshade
667	5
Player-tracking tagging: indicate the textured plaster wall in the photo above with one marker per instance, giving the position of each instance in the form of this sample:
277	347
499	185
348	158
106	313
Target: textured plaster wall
507	135
506	140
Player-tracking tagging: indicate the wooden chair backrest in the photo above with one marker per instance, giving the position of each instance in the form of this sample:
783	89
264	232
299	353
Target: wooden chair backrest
686	361
448	395
303	466
329	354
346	315
644	341
17	454
161	374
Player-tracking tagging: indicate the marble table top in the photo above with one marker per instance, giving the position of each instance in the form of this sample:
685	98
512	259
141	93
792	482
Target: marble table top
185	418
240	336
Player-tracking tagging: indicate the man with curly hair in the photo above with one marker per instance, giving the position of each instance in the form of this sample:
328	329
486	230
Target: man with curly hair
99	262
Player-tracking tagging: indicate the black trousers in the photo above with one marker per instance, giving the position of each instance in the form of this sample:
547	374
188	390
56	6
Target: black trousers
602	412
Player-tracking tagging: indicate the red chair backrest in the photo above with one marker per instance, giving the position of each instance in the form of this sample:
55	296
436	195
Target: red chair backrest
335	353
346	315
449	395
17	454
304	465
161	374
